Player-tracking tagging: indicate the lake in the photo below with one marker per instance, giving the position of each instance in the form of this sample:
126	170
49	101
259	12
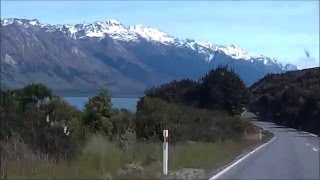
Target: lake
127	103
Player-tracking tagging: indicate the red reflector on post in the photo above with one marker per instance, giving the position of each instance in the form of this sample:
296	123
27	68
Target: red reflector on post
166	139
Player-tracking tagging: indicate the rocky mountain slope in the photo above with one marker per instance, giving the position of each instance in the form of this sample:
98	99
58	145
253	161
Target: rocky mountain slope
89	56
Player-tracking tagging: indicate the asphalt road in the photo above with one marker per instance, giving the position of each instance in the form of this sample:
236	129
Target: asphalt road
291	155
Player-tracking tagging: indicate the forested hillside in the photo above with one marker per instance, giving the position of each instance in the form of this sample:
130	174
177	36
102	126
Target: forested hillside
290	99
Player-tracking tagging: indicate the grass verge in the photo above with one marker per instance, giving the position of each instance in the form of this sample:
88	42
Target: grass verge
102	159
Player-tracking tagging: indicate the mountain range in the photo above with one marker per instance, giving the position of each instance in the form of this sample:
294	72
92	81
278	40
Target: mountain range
108	54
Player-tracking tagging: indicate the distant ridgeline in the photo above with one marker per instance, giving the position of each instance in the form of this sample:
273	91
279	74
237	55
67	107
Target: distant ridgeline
291	99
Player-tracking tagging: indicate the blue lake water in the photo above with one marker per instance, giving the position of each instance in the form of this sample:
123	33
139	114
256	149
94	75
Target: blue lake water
126	103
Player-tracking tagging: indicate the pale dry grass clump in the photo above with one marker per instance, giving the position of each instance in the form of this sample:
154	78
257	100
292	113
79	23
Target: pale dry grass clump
16	156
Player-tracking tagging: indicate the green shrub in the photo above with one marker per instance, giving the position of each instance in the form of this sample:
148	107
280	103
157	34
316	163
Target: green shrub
97	114
220	89
38	118
184	123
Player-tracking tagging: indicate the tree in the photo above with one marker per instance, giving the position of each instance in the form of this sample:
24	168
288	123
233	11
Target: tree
97	114
220	89
181	92
224	90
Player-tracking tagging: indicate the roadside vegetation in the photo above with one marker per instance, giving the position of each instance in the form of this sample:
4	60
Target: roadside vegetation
291	99
44	136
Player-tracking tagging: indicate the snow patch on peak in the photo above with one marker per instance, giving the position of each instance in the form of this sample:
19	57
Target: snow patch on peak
136	26
209	57
113	22
234	51
151	34
9	60
4	22
207	44
268	61
71	29
34	22
26	23
208	50
191	45
8	21
111	27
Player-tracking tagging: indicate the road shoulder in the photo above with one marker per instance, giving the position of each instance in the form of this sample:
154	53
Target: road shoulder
268	139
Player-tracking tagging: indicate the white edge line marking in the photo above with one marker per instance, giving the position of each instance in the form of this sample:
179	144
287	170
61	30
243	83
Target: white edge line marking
313	135
238	161
315	149
304	132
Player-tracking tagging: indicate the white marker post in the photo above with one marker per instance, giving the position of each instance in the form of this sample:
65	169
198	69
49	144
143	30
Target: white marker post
260	135
165	151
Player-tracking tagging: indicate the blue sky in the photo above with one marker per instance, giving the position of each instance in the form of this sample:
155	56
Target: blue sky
279	29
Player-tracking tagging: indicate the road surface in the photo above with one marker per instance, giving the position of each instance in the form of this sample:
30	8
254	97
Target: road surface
291	155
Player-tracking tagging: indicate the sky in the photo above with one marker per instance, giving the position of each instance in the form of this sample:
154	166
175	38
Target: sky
278	29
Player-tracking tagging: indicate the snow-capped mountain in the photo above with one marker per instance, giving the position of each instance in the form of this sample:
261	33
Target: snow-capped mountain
123	50
290	67
118	31
99	29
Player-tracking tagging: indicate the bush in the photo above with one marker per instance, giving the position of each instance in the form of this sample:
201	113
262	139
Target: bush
184	123
38	118
123	120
